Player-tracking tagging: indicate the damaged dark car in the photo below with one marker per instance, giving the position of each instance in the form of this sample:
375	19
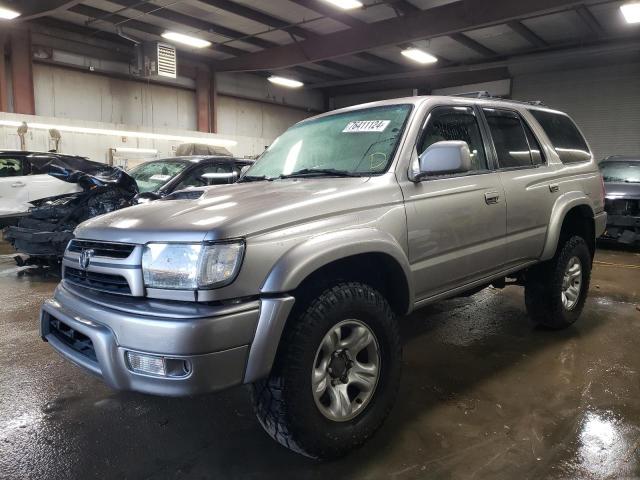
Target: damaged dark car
621	177
44	233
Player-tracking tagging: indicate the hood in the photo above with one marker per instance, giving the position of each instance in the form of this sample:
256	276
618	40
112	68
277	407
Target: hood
241	209
622	190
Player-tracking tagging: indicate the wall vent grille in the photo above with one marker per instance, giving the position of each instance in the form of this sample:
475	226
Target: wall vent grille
167	62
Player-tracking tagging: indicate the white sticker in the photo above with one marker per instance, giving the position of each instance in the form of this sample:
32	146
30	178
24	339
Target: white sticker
160	178
366	126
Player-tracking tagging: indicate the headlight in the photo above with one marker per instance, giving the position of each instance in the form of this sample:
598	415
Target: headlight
190	266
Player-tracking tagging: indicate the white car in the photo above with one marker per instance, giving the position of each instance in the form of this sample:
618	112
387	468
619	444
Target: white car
24	178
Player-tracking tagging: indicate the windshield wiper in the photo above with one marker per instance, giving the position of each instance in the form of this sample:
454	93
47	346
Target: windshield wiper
254	178
320	172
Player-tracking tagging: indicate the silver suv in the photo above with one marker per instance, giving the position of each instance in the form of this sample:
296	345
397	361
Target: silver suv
295	279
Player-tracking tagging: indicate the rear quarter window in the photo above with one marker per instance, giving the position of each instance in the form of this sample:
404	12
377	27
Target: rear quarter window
567	140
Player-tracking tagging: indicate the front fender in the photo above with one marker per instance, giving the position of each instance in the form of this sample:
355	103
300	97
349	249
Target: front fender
305	258
562	205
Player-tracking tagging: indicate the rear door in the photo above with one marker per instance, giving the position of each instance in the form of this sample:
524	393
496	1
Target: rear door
13	184
456	223
528	180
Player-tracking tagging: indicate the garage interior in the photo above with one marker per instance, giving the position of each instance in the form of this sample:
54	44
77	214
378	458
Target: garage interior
484	394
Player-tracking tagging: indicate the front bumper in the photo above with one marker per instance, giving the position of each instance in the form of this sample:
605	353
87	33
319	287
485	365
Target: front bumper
624	229
219	343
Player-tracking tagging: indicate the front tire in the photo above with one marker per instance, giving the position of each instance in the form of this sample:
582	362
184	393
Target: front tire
336	375
555	291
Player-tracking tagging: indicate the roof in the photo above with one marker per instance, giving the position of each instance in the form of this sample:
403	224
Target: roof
200	158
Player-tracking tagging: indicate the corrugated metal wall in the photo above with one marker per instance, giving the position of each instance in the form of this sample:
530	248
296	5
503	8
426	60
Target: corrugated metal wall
604	101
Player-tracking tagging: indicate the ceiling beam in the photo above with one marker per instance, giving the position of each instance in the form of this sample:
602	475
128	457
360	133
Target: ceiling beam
528	34
92	12
590	21
338	67
279	24
471	44
324	9
32	9
452	18
258	16
201	25
404	6
329	12
315	74
192	22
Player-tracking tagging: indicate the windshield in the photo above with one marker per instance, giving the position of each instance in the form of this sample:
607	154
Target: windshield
358	143
151	176
621	171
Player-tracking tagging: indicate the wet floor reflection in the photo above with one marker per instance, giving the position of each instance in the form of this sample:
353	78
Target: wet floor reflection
483	395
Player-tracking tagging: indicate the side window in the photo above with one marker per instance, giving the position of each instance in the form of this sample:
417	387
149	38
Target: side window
218	174
10	167
567	140
536	150
509	138
455	123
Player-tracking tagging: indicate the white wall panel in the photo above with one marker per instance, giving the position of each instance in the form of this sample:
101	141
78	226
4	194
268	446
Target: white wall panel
249	118
604	102
65	93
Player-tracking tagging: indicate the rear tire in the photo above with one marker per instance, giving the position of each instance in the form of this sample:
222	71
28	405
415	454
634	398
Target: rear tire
555	291
333	326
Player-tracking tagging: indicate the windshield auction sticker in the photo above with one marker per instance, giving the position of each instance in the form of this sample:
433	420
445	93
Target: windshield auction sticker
366	126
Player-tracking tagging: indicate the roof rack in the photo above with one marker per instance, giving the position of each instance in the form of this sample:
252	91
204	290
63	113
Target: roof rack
478	94
487	95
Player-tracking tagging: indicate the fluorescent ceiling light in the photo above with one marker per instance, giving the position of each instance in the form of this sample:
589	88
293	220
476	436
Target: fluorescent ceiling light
419	56
345	4
186	39
631	12
285	82
218	142
134	150
7	14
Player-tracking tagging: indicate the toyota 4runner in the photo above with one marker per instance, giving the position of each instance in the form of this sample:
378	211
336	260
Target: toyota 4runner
295	279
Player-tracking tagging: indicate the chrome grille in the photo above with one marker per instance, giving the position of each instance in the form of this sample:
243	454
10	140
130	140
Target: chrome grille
102	249
97	281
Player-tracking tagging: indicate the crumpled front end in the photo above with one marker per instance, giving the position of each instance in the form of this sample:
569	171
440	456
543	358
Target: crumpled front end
45	232
623	221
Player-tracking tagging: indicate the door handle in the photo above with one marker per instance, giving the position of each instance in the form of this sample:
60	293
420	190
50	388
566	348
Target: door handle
18	184
554	187
491	198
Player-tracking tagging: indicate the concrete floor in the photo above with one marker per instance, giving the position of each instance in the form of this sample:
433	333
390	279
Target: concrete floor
484	395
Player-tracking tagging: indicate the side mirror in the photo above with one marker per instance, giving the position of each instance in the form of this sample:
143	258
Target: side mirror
444	158
145	197
244	169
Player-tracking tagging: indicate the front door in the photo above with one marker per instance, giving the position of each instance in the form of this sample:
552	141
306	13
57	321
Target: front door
456	223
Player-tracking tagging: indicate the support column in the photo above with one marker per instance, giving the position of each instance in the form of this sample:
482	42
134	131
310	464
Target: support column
203	87
213	102
4	89
22	73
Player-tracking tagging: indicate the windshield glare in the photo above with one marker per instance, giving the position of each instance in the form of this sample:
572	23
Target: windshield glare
360	142
621	171
151	176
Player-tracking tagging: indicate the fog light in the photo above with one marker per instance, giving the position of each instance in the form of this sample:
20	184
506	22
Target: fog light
146	364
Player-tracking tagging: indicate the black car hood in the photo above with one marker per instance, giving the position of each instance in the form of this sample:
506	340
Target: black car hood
622	190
